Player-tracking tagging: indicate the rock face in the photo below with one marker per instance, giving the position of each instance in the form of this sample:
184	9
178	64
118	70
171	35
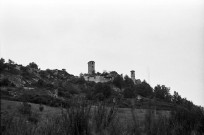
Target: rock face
27	76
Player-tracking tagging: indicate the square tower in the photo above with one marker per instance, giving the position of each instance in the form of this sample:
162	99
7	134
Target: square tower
91	67
132	75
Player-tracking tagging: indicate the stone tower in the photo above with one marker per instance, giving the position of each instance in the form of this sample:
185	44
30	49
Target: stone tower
132	75
91	67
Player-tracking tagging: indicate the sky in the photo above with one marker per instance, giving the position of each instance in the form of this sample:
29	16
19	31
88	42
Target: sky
162	40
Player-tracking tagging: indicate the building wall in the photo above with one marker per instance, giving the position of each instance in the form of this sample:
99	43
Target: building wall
97	79
138	81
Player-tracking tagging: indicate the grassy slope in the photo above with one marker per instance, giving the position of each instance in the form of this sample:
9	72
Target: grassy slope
124	114
12	107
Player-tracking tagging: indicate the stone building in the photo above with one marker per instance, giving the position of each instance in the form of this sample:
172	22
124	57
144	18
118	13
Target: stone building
91	67
91	76
132	74
136	81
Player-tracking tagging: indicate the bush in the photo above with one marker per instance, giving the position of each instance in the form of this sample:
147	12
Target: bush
41	107
102	91
64	94
43	99
5	82
129	93
73	91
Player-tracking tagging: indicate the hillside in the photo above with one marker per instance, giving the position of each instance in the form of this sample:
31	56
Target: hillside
56	87
140	105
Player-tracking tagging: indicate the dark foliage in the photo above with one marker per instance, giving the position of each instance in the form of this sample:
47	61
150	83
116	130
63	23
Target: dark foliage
5	82
42	99
118	81
129	93
2	65
33	65
102	91
144	89
162	92
128	82
41	107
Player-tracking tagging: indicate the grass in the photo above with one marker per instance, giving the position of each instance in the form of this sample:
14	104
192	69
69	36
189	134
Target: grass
82	118
125	114
12	106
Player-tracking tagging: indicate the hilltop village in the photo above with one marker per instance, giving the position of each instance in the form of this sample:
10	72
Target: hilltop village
57	88
105	77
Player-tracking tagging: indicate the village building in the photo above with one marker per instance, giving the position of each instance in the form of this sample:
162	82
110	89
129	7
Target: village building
95	77
136	81
92	76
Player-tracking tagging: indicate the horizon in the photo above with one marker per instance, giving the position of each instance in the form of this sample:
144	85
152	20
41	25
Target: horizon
161	40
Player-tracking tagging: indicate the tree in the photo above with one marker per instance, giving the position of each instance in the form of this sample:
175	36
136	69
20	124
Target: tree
10	62
40	83
162	92
103	89
43	74
2	61
128	93
5	82
33	65
128	81
25	72
98	73
2	66
176	98
81	75
113	73
80	80
104	73
118	81
144	89
10	65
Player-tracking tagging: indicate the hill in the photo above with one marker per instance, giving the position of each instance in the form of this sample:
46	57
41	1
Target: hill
56	87
131	102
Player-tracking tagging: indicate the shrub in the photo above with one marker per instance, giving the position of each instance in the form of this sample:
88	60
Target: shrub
5	82
73	91
41	107
64	94
42	99
129	93
101	91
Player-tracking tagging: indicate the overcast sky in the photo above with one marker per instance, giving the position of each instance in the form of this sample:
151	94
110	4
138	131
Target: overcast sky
162	40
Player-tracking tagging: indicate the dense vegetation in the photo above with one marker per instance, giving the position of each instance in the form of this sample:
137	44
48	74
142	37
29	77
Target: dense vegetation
58	88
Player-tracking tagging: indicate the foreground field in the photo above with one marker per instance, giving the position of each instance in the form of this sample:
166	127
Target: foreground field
125	114
83	119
